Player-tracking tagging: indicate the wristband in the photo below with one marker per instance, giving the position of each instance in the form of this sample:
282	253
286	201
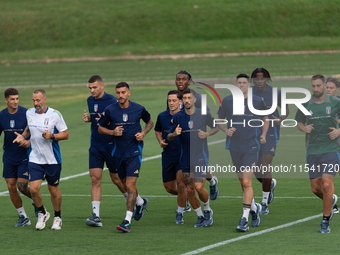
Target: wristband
52	138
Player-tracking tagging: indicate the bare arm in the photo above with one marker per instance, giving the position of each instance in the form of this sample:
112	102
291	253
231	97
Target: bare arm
264	129
56	137
177	132
307	129
202	134
160	139
148	126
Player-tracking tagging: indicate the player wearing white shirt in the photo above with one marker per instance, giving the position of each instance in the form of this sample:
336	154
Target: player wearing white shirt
46	127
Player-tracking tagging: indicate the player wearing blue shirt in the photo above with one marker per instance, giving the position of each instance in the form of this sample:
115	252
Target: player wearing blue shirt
15	156
101	147
243	142
190	126
260	78
125	129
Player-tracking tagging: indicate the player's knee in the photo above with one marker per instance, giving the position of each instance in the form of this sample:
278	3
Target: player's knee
22	187
11	187
327	185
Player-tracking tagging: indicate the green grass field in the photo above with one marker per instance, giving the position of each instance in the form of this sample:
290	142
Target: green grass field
156	233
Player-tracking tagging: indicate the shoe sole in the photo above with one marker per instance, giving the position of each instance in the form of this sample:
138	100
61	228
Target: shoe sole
179	222
272	192
47	218
242	229
122	229
93	224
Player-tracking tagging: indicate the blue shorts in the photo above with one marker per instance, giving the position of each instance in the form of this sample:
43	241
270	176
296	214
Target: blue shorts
269	147
170	167
19	170
99	155
128	167
243	161
49	172
326	163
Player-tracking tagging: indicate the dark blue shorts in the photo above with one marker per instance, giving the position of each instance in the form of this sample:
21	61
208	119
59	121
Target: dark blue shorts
128	167
170	167
243	161
49	172
326	163
16	171
269	147
99	155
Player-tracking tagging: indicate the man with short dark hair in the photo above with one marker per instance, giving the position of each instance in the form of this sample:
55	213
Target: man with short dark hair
46	127
322	144
15	157
101	147
124	119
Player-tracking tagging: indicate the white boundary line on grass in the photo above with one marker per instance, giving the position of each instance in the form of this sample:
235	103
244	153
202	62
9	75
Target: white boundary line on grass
209	247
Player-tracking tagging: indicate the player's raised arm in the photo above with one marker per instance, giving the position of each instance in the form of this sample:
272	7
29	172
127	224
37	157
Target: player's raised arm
148	126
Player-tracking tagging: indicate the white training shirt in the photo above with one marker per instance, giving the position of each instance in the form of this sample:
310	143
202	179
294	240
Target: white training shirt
45	151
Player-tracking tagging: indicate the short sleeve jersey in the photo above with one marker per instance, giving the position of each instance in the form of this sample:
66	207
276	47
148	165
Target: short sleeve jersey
45	151
97	106
194	151
10	123
246	137
126	146
324	116
273	131
163	123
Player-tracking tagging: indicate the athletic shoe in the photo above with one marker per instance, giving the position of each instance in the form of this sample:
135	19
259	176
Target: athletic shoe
336	209
36	211
140	210
271	193
265	209
56	223
255	216
94	221
243	225
325	227
187	207
179	218
208	218
335	198
42	218
200	222
125	226
214	189
23	221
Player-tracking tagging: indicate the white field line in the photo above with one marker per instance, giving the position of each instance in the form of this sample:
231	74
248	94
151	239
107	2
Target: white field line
209	247
144	159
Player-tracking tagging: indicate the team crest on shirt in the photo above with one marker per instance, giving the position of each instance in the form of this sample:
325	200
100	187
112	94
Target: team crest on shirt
95	107
190	124
181	106
12	123
125	117
46	121
328	110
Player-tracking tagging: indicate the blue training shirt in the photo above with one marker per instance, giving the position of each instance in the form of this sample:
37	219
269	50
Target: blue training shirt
245	138
126	146
163	123
194	151
98	106
10	123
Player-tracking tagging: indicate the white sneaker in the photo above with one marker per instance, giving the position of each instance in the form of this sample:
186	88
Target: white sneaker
57	222
42	218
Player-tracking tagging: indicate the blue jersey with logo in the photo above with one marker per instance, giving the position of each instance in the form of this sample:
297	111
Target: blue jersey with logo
273	132
245	138
98	106
163	123
126	146
194	151
10	123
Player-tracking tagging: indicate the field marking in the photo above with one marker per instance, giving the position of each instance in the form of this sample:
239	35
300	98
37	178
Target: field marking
209	247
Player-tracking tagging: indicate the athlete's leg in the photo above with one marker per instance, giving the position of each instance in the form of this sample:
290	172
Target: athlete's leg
96	178
182	192
327	191
264	175
13	192
202	192
23	187
171	187
132	192
117	181
35	192
55	197
190	186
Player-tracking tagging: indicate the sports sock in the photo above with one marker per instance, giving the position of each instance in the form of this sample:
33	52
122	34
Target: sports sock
206	206
95	207
265	196
41	209
246	213
180	210
326	218
57	214
253	206
212	182
21	211
128	216
198	211
139	200
125	196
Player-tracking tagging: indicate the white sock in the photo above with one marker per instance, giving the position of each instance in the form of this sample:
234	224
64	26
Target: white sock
95	207
253	206
265	196
180	210
206	206
21	211
125	196
139	200
128	216
212	182
198	211
246	213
